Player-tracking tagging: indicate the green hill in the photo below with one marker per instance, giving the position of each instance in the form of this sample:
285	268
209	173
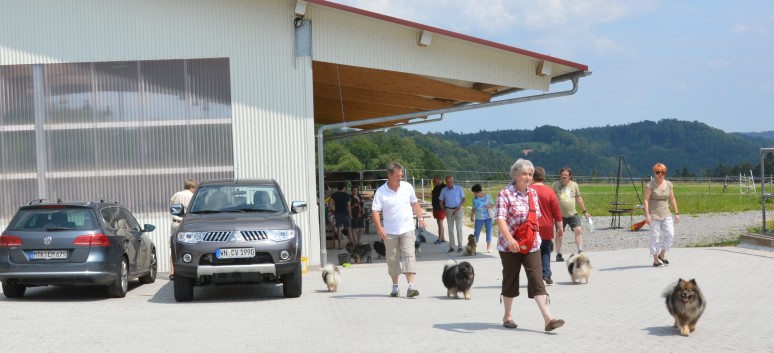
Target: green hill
687	148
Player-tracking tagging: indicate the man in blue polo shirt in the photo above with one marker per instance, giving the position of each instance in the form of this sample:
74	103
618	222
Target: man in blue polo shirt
452	198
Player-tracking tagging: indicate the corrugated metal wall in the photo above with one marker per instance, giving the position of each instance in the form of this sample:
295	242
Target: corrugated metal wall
345	38
271	123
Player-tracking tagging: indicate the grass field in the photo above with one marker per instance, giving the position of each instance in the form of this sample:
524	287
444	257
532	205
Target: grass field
691	198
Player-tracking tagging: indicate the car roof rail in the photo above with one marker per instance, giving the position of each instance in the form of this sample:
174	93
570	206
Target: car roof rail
38	201
106	201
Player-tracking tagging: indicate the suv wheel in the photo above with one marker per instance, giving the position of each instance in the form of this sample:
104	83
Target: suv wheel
14	290
291	284
121	284
184	288
151	276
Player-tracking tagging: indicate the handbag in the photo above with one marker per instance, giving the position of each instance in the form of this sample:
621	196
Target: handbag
527	231
489	211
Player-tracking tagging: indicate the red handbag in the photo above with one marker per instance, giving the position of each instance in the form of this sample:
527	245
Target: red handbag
527	231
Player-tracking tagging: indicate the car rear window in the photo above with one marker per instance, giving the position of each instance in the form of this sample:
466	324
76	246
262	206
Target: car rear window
36	219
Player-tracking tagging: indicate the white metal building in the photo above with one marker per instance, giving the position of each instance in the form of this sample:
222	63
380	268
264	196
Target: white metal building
124	100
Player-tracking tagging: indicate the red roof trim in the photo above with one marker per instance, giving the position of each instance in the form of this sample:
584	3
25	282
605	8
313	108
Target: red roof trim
448	33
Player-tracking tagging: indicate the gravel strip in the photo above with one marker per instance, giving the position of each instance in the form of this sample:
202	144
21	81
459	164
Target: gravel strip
692	230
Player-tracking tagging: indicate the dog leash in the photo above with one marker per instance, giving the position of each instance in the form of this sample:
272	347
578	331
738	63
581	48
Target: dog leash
447	254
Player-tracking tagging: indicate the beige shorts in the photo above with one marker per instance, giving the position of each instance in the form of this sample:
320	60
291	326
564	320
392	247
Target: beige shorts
400	253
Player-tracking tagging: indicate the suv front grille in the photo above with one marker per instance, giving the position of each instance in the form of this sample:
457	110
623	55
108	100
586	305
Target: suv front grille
216	236
254	235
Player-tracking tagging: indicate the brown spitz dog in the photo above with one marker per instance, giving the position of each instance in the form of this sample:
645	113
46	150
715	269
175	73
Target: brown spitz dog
470	249
579	267
685	303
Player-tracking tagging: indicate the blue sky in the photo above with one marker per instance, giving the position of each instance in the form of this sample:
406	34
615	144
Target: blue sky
710	61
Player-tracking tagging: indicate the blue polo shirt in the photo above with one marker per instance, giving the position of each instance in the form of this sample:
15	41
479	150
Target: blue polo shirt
452	198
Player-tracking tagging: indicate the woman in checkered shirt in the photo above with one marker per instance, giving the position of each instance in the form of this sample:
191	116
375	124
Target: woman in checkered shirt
512	209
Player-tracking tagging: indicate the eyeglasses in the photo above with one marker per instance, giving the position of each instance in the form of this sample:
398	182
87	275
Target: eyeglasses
658	172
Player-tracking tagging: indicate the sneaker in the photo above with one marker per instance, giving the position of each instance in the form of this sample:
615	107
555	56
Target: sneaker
451	249
559	257
437	241
459	249
394	292
548	280
412	293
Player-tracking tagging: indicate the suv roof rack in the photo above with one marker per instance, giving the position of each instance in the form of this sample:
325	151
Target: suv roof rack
59	200
105	201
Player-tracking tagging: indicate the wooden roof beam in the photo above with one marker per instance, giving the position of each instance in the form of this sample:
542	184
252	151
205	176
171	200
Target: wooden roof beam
391	81
351	94
335	105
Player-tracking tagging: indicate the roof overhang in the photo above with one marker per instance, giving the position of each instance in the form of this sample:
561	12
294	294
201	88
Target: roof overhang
349	93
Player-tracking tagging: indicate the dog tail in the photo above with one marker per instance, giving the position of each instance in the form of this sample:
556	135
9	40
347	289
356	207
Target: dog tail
330	268
669	290
449	264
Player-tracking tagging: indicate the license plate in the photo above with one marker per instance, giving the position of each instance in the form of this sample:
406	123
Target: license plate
48	254
235	253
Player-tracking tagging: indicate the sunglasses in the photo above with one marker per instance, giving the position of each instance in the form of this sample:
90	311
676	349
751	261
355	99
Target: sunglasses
660	172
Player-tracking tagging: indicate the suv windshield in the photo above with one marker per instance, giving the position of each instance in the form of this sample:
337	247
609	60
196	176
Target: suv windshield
240	198
36	219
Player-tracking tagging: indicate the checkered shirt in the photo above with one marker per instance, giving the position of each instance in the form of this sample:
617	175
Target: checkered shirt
513	207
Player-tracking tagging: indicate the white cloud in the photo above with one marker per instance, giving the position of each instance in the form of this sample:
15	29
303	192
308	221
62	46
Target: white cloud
678	86
718	63
754	26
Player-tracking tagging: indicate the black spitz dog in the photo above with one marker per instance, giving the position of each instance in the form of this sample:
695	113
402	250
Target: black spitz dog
380	249
458	278
359	252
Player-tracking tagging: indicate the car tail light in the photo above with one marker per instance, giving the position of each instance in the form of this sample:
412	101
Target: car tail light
7	241
98	239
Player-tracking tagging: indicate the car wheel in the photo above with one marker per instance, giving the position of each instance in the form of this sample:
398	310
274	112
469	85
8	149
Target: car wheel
291	284
14	290
151	276
184	288
121	284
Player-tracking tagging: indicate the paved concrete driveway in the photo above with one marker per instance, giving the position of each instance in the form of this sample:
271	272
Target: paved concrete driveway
621	308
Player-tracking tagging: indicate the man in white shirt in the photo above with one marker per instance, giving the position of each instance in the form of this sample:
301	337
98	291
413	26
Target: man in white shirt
182	197
395	201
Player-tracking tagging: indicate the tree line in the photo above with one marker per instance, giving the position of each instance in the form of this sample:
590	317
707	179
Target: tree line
688	149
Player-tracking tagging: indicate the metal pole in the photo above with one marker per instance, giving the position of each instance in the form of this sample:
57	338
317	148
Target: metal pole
763	190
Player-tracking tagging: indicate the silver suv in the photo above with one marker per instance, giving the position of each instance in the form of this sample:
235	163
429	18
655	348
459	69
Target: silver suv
237	232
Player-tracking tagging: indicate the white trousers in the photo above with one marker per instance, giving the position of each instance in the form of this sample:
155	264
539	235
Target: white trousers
661	235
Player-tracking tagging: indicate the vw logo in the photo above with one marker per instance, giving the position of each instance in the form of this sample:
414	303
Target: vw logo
47	240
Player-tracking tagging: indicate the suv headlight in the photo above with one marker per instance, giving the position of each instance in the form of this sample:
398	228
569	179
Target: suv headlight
190	237
281	234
